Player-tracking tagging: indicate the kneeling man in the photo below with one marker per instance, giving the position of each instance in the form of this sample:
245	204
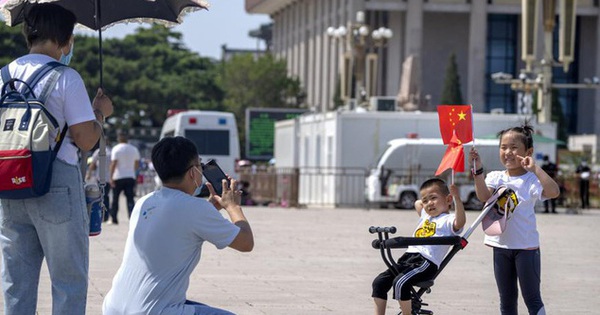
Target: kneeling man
166	232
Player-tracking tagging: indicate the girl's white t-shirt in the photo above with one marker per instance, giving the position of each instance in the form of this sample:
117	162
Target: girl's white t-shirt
68	102
521	229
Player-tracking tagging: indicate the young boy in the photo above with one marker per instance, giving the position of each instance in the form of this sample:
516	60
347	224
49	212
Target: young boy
420	263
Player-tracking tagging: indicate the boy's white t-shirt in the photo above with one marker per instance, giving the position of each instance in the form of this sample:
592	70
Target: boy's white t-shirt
428	226
521	229
166	232
68	101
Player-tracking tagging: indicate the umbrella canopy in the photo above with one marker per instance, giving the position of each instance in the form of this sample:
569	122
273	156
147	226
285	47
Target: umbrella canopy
167	12
100	14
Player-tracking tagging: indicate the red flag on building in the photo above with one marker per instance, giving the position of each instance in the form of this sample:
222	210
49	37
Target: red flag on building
456	119
454	157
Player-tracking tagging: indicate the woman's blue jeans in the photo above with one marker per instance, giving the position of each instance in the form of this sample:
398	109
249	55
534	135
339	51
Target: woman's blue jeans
55	227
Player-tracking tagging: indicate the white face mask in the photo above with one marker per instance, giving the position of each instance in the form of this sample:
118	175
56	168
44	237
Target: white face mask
198	186
66	59
197	191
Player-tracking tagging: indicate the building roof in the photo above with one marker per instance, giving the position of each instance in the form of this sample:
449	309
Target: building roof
266	6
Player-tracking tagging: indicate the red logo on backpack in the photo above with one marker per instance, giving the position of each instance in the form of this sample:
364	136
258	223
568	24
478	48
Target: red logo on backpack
16	169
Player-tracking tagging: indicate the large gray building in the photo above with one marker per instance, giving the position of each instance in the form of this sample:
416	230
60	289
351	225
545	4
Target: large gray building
485	36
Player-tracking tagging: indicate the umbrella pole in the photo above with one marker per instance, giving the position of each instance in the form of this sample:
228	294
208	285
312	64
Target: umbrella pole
100	57
99	27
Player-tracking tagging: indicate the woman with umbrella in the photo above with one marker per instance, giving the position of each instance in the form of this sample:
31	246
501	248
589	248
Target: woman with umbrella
54	226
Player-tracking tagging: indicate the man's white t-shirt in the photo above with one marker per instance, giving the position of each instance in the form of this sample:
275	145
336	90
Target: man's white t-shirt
164	244
68	100
521	228
429	226
125	154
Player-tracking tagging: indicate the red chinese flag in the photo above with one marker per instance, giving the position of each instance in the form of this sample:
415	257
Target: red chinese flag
454	157
456	119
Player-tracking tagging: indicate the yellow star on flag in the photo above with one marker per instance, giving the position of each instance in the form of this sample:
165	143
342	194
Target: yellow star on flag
456	119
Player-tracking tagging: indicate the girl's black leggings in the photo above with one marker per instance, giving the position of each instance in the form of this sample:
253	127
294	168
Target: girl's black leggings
522	267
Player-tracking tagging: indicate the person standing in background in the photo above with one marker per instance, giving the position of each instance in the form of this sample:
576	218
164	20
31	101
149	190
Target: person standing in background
125	160
550	169
583	172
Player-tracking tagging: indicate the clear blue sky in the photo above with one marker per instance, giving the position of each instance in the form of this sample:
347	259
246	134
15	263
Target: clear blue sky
226	22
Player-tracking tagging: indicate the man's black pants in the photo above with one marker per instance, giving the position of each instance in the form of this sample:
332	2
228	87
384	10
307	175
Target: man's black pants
127	186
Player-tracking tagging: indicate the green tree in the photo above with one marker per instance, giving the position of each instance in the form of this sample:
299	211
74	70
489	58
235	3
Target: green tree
12	43
451	94
250	81
150	71
146	73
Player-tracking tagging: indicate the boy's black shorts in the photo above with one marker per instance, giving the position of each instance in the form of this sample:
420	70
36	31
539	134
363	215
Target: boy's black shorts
407	263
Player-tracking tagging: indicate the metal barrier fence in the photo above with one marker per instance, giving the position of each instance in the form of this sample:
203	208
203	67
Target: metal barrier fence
315	186
570	193
145	182
276	186
334	187
324	186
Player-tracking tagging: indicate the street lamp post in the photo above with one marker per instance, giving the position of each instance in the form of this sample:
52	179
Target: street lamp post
545	90
356	63
529	82
538	77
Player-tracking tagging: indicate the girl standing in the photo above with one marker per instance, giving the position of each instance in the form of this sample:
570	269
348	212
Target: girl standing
517	250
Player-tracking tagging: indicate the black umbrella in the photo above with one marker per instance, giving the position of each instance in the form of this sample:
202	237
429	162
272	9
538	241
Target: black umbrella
101	14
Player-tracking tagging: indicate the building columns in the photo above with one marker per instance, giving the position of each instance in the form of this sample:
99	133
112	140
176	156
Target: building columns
596	111
477	55
414	39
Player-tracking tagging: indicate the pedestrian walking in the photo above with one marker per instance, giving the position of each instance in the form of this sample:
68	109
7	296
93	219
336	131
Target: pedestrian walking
125	160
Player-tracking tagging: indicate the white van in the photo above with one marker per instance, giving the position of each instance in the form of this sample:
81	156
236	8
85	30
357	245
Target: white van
214	133
406	163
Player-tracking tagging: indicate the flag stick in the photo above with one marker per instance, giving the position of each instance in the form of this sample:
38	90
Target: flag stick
472	125
474	166
473	136
453	199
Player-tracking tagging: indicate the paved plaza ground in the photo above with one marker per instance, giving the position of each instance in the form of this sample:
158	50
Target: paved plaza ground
320	261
